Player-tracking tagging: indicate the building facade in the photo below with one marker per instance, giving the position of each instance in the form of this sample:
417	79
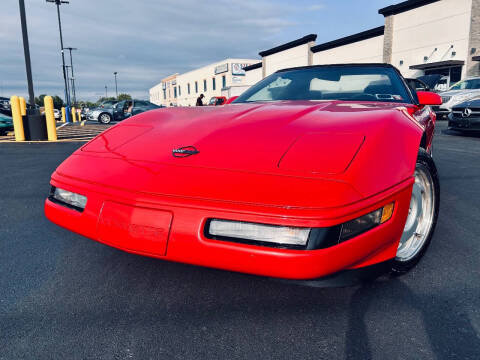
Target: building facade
210	80
165	92
419	37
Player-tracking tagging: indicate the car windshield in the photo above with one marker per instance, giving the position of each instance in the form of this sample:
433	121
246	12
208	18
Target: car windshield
467	85
349	83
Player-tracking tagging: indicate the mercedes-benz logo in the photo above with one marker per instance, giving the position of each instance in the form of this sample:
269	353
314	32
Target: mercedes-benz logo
466	113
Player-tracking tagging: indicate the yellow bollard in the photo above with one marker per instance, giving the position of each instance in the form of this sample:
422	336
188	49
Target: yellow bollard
63	114
17	119
51	125
23	106
74	113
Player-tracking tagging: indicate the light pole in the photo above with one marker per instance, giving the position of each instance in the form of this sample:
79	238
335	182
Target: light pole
116	89
26	50
68	82
73	76
58	3
106	95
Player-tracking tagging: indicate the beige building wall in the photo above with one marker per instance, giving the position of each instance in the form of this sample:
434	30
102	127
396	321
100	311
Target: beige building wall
164	92
430	31
207	73
297	56
253	76
365	51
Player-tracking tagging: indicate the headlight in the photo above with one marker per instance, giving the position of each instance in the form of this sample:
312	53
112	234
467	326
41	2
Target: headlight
68	198
295	237
366	222
281	235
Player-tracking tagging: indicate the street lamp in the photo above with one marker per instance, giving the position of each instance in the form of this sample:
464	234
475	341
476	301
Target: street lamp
58	3
68	81
26	50
106	95
116	89
73	77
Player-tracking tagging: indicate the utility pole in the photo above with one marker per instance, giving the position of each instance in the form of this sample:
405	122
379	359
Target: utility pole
58	3
68	83
106	95
26	50
116	89
73	76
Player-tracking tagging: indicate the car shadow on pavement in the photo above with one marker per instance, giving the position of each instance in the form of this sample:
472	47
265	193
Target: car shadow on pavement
448	329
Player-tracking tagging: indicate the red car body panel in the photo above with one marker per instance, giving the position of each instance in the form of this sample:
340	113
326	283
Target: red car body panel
295	163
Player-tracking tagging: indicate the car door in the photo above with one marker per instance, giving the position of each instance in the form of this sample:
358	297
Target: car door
118	110
139	107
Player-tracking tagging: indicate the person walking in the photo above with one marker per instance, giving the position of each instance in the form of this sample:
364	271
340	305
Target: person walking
199	100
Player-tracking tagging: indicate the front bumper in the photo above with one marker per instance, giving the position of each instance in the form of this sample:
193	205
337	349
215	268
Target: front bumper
175	230
464	124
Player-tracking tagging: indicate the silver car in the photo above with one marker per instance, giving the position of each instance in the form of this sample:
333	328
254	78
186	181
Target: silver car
464	90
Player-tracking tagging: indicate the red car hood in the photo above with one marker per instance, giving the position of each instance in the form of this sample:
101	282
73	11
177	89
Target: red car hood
282	153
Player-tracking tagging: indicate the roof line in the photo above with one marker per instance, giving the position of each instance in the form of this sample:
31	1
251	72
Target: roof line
304	40
253	66
364	35
404	6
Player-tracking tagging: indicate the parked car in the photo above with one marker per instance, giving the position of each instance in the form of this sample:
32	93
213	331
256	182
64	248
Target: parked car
57	114
436	82
121	110
6	124
5	106
316	172
462	91
107	104
465	116
217	100
417	85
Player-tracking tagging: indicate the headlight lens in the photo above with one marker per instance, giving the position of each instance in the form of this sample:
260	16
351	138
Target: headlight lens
282	235
71	199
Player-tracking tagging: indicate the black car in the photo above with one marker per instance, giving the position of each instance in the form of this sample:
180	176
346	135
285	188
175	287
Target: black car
465	116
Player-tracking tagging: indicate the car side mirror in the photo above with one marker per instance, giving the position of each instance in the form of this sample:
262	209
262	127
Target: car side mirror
428	98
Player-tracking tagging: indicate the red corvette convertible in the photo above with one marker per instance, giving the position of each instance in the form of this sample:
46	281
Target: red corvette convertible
321	174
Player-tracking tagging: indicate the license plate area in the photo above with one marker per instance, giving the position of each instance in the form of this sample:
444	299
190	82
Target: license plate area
134	228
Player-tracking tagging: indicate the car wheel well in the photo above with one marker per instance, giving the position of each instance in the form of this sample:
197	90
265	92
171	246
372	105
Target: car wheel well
423	142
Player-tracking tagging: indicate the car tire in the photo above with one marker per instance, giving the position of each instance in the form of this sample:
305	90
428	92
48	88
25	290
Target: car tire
105	118
422	215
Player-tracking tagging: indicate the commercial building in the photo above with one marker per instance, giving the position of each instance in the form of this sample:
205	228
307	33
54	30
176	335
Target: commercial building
165	92
211	80
419	37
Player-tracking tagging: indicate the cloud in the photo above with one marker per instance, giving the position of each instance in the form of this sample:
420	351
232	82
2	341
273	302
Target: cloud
142	40
316	7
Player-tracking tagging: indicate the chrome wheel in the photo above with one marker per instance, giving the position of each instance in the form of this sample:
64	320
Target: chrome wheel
420	215
105	118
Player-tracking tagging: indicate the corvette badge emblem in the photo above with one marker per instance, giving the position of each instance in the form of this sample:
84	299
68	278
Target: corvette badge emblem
185	151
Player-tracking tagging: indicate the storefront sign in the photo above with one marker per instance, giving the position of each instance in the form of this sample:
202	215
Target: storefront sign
237	69
221	68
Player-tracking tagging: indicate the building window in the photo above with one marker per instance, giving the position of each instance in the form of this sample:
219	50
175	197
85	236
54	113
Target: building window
213	84
204	85
179	91
196	87
224	82
175	92
188	88
164	94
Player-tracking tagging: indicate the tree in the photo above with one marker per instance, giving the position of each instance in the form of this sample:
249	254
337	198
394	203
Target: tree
57	101
39	100
103	98
124	96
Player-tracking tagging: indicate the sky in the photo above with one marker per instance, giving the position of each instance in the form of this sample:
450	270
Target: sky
146	40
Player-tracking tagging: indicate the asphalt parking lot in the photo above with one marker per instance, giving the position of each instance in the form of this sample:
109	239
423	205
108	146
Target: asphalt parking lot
63	296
